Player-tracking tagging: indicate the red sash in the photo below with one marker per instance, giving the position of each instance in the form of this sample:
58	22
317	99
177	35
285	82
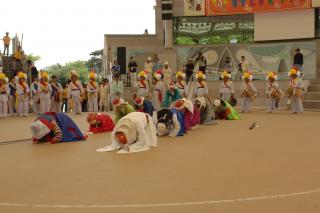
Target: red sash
182	86
226	85
92	84
143	84
23	87
76	85
160	96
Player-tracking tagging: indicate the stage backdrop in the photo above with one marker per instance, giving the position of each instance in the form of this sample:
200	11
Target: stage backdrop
262	58
228	7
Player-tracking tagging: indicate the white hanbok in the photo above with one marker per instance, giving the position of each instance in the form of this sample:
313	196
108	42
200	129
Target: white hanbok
140	132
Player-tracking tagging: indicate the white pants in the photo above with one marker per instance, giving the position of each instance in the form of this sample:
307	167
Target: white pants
44	103
11	104
226	97
296	104
55	106
23	105
133	78
142	92
35	104
246	104
3	106
75	95
271	104
93	104
157	104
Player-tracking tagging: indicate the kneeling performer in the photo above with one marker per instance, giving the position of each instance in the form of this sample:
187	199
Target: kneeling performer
133	133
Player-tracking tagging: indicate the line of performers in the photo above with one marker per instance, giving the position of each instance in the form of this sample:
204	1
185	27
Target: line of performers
135	128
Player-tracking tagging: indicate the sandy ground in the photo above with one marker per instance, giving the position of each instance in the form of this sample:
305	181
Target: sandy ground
219	163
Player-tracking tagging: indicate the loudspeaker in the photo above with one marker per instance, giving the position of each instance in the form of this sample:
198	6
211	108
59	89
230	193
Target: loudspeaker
121	58
166	7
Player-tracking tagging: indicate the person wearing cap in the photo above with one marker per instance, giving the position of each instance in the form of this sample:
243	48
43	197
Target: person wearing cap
298	60
93	91
157	90
189	69
56	94
132	70
6	43
133	133
295	91
23	94
55	128
75	90
121	108
45	91
170	122
4	96
148	67
181	83
143	84
202	61
248	91
226	87
224	111
143	105
167	73
191	113
100	123
104	95
171	95
273	92
12	96
116	88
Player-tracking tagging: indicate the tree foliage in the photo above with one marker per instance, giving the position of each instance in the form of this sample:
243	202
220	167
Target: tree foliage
32	57
63	71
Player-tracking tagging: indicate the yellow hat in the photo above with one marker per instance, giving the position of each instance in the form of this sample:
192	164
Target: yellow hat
22	75
2	76
92	74
247	75
294	71
44	74
225	74
272	75
200	75
142	74
180	74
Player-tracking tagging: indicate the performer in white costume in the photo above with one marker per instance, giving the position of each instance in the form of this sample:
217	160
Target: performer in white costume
133	133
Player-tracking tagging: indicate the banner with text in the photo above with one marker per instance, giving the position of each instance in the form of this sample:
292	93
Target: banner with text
227	7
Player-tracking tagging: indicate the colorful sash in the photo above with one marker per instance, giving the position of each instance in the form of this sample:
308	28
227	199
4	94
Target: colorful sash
76	85
143	84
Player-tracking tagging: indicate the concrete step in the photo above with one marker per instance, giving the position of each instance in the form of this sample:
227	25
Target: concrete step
311	104
314	88
311	96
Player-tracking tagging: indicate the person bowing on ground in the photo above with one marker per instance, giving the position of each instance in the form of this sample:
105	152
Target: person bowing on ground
133	133
99	123
55	128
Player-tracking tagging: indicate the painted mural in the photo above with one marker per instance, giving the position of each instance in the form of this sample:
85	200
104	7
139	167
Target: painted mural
262	58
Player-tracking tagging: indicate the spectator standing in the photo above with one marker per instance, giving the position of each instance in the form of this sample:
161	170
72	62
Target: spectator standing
202	63
116	67
6	44
12	96
56	94
84	98
116	87
189	70
132	70
64	106
298	60
104	96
